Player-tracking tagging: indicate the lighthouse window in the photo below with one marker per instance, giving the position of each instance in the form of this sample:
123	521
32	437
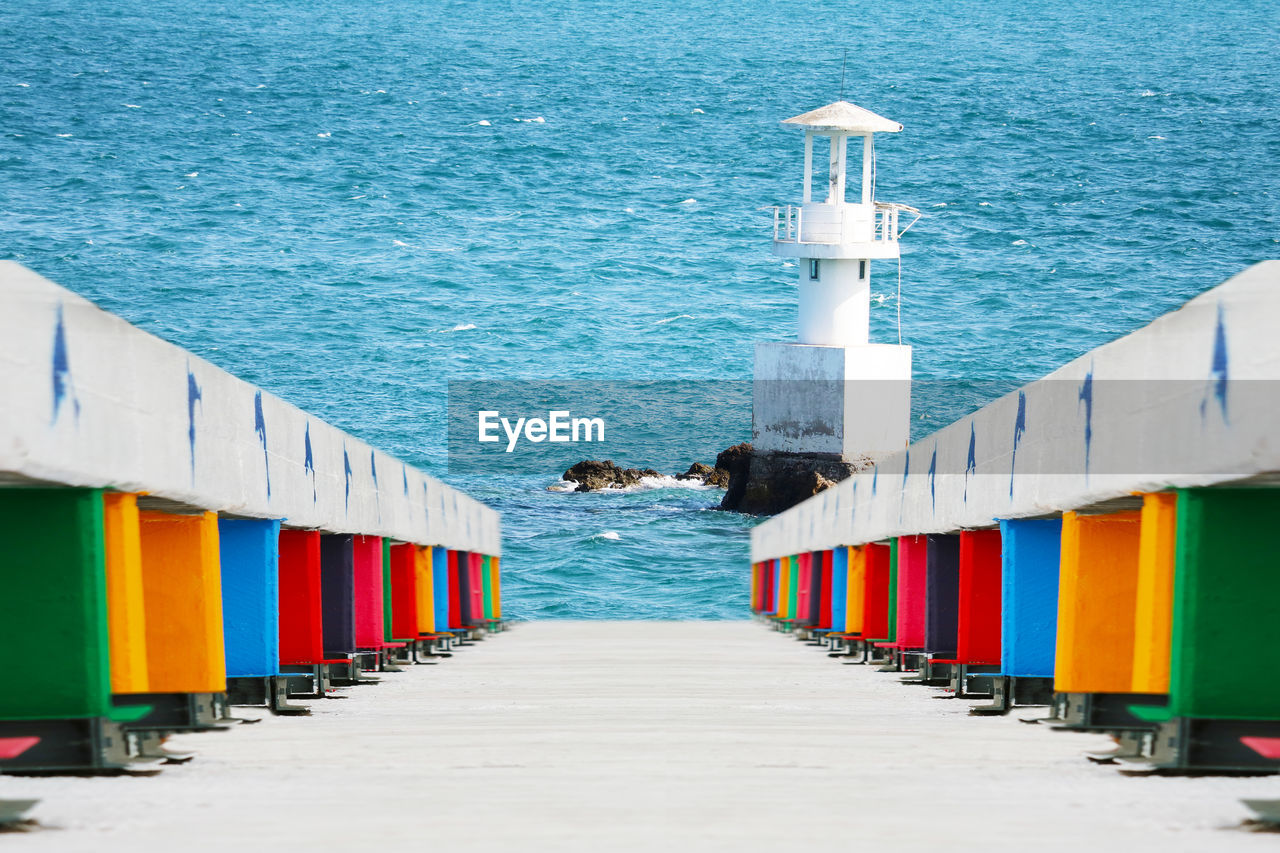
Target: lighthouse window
813	269
862	269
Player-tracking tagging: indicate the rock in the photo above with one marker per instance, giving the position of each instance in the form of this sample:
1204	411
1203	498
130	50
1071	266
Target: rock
706	474
697	471
768	483
737	461
756	483
592	475
718	477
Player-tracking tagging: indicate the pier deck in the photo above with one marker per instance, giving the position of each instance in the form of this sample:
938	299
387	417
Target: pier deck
637	736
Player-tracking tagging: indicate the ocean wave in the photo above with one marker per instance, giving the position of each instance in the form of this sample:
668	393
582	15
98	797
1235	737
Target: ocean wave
668	482
646	484
665	481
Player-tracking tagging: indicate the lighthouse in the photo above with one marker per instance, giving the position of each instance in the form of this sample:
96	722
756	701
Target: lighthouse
833	401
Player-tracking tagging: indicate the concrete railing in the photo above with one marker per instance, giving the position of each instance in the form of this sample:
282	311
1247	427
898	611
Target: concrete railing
92	401
835	223
1189	400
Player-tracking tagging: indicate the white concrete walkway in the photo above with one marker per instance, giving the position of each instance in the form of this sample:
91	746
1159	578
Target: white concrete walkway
639	736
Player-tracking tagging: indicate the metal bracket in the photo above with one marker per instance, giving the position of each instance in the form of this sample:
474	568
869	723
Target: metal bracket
176	712
1008	691
306	681
1194	745
15	811
893	662
930	674
270	691
150	745
1130	745
1266	812
71	746
1104	712
348	673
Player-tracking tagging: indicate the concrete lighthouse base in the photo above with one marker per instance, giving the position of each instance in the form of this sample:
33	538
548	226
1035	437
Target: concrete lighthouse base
851	403
819	415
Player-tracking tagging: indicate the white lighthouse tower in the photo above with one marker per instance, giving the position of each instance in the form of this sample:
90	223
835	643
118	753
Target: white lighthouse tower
834	395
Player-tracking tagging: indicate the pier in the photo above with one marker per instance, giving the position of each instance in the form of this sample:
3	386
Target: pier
180	542
1096	542
638	736
276	636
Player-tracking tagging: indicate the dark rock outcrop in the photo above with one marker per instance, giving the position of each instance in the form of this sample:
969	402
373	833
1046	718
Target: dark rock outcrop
737	461
706	474
592	475
755	482
767	483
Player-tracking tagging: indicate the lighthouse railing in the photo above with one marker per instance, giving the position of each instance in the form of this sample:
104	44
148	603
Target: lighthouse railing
845	226
786	226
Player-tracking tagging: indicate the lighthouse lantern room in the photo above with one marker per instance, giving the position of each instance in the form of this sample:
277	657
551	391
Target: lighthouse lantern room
834	394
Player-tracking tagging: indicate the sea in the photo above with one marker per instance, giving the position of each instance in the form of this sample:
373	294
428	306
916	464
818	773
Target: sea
354	204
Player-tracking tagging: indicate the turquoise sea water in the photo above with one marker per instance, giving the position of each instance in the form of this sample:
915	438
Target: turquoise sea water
350	204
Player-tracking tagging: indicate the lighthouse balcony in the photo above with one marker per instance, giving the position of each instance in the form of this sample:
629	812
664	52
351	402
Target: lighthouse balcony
838	230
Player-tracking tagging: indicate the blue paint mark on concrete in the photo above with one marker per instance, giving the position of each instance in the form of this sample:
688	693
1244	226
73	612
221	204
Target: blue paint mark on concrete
309	462
971	461
62	387
426	510
377	496
1019	427
346	475
1218	369
404	471
902	495
194	395
260	427
933	472
1086	397
875	474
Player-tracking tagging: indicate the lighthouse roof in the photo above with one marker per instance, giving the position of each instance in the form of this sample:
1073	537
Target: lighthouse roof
846	117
